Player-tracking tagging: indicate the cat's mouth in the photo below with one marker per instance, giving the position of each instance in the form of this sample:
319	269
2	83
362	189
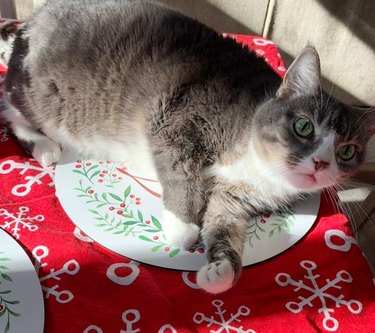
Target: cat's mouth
304	181
308	177
311	177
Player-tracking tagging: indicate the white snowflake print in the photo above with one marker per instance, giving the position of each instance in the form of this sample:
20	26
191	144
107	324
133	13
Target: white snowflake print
321	293
71	267
346	242
4	134
15	222
25	188
221	324
130	318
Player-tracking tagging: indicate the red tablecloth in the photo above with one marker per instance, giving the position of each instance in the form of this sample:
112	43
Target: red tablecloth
321	284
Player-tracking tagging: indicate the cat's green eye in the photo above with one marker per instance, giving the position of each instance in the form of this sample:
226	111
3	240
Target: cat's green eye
303	127
347	152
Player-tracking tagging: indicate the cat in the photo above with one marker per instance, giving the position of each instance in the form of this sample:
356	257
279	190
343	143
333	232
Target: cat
224	134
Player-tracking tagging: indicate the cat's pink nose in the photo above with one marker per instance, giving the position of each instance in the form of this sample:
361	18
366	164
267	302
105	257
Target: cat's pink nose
320	165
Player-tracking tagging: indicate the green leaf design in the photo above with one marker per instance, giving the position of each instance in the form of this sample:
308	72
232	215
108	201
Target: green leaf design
156	223
115	196
94	174
174	253
130	222
145	238
12	302
140	216
6	277
157	247
4	259
4	267
127	191
101	205
261	229
93	167
14	314
80	172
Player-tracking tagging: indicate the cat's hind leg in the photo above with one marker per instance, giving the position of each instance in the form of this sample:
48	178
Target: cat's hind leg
43	149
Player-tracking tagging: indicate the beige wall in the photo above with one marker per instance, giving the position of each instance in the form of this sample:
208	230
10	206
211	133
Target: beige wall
343	31
224	15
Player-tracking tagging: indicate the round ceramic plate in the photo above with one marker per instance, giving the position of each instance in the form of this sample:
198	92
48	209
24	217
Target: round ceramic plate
21	298
122	211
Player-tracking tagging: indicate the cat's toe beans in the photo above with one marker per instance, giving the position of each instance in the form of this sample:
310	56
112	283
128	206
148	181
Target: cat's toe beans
46	152
178	233
216	277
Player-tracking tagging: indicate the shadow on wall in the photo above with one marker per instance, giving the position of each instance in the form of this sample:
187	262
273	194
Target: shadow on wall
210	15
358	16
220	21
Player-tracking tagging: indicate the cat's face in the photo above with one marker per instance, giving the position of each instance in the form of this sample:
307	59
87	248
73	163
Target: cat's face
306	139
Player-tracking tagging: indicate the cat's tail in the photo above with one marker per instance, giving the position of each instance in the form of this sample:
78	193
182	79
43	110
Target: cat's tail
8	28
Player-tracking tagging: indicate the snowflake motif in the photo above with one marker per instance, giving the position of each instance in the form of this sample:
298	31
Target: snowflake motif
329	323
71	267
20	220
130	318
223	324
23	189
4	134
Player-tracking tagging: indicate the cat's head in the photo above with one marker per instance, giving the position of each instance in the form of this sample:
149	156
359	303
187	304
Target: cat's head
305	139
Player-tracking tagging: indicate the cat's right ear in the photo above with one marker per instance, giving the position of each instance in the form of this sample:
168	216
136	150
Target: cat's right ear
303	75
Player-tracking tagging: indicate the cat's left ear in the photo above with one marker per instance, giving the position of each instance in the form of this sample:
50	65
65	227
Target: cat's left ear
303	75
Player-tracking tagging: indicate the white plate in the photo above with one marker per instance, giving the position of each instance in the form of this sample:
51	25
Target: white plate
21	298
101	199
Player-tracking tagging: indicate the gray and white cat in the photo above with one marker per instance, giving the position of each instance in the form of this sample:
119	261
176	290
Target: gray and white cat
226	137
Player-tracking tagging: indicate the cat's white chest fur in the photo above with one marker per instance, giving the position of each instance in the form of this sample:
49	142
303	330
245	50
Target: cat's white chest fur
252	171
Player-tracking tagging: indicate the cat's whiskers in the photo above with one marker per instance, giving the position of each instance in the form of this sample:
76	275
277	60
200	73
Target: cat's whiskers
331	195
346	209
357	205
275	171
359	209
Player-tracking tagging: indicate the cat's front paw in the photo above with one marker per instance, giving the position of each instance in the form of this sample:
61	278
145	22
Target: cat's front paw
46	151
178	233
216	277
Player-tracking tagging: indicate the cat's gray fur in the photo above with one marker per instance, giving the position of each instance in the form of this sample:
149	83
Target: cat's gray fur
123	71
